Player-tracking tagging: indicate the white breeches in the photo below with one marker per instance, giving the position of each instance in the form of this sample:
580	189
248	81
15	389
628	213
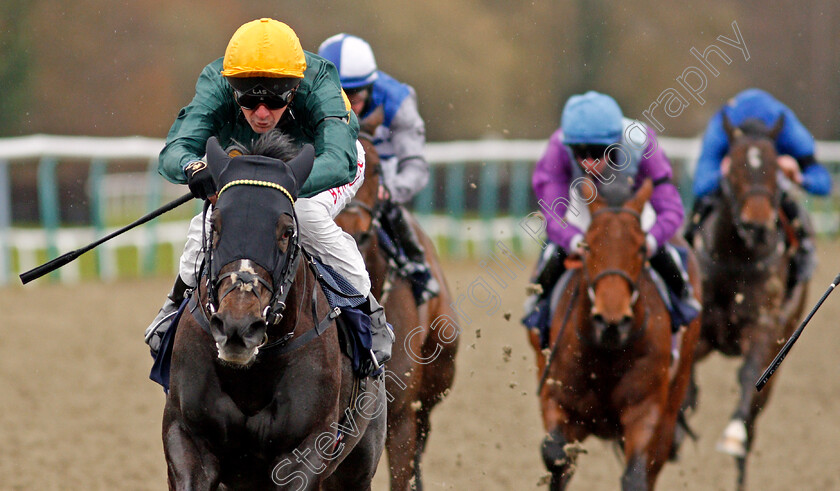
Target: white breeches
319	234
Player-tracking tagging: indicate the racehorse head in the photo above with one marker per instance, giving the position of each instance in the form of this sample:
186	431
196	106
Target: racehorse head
748	182
613	262
253	251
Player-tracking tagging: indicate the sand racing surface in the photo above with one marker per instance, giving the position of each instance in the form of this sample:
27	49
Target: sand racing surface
77	410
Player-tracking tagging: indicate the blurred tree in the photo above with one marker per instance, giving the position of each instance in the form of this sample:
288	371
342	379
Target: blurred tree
15	64
480	67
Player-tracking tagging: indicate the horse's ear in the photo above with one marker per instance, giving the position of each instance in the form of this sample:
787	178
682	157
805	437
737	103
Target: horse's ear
777	127
301	165
596	204
217	158
732	132
637	202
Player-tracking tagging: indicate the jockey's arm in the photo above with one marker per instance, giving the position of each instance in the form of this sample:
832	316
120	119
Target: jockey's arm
326	117
202	118
714	147
335	160
797	142
815	178
665	199
551	181
408	137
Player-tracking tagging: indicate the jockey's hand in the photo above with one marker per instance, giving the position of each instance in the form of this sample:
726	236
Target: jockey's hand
372	121
790	167
577	246
725	164
650	245
383	194
199	179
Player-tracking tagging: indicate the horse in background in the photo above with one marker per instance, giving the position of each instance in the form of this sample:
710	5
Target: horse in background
261	395
609	371
422	368
747	310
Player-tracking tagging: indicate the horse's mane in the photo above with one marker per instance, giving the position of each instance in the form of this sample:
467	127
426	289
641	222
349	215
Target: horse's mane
273	144
755	128
617	192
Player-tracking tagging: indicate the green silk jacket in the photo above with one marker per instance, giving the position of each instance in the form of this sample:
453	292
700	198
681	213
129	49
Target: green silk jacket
317	115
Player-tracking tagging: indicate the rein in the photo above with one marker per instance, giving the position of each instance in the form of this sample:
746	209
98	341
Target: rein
556	345
272	313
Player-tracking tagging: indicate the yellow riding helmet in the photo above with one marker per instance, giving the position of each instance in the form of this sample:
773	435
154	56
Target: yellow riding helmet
264	48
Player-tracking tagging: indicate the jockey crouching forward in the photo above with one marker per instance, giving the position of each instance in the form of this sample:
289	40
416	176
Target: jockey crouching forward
795	147
267	81
387	110
595	141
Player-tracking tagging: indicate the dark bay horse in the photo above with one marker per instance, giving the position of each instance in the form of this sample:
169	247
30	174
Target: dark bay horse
261	396
609	371
422	369
747	311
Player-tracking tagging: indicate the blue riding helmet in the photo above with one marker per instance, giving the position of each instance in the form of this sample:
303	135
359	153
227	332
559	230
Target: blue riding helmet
592	118
353	58
753	103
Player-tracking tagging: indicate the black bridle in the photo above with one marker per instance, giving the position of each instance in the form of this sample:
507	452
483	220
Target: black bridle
375	211
591	283
736	202
272	313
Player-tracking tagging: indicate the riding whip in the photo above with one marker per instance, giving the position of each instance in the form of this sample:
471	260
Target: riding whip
784	351
60	261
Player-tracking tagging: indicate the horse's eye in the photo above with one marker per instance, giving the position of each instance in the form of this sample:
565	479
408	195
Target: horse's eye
288	233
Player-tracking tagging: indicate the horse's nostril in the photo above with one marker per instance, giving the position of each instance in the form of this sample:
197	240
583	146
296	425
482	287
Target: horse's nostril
257	327
216	324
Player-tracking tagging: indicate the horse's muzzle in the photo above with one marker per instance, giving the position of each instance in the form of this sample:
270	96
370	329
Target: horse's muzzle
238	340
755	234
612	334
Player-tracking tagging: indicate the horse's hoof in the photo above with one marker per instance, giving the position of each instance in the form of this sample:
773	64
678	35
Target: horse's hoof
734	439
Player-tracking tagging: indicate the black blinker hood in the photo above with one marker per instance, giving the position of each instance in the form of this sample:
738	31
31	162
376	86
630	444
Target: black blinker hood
254	192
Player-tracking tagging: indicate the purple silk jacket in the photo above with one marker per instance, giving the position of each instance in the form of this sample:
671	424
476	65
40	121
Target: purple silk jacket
553	176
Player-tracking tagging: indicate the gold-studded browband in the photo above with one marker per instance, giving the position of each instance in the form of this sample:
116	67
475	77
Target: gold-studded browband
252	182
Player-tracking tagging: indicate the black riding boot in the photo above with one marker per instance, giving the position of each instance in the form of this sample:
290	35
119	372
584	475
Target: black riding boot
406	236
701	209
803	260
685	307
159	326
382	336
418	271
550	268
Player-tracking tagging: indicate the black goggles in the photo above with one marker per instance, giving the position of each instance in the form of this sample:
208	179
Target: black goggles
586	151
358	90
252	100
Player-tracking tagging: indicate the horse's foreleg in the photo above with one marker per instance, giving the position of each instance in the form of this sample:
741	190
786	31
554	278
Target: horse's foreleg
557	460
558	451
648	437
401	444
739	434
190	466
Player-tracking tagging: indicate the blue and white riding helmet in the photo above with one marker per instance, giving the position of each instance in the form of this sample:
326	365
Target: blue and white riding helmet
591	119
353	57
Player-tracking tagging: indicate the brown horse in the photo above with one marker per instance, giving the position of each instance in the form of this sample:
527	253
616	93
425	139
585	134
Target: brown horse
747	311
610	372
422	369
261	396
